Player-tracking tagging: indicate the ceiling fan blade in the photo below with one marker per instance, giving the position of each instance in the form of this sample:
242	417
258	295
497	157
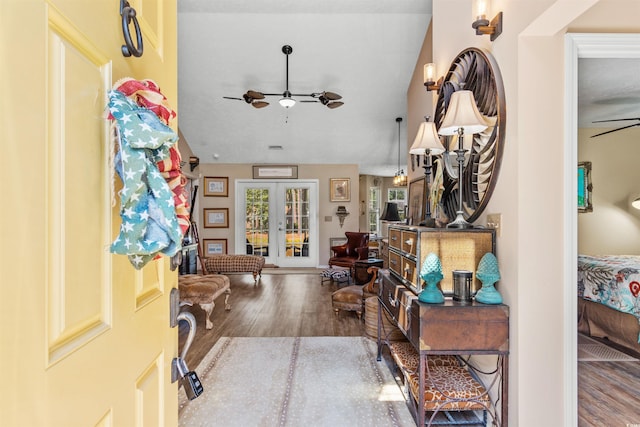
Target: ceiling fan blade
255	94
615	120
307	100
335	104
616	130
231	97
259	104
332	96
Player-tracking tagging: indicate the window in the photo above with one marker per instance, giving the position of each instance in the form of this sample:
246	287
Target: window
374	210
399	196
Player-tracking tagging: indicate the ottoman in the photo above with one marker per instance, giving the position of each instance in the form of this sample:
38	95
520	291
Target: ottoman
352	297
338	275
203	290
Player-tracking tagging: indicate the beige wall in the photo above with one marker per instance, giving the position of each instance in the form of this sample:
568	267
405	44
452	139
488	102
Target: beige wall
613	227
529	193
328	223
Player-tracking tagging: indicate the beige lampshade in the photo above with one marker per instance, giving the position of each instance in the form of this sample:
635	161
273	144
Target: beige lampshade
426	138
462	113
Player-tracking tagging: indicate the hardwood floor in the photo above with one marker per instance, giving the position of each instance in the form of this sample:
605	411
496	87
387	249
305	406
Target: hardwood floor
280	305
298	305
609	394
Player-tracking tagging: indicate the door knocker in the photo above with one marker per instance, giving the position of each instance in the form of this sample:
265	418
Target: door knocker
129	14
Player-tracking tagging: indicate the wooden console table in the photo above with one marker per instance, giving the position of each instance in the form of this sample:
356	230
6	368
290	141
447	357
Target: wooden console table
451	328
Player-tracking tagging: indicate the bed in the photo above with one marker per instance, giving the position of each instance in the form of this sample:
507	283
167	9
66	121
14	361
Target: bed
609	298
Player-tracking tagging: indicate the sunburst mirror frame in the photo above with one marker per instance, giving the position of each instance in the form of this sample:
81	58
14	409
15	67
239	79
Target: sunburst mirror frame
476	70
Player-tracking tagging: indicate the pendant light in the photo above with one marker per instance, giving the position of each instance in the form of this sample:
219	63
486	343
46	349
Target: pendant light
400	179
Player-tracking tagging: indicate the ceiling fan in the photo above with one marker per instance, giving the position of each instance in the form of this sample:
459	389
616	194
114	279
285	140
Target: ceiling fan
616	130
287	100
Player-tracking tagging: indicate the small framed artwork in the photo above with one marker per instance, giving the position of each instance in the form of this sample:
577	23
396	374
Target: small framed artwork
214	247
417	198
216	186
584	187
340	189
275	172
216	218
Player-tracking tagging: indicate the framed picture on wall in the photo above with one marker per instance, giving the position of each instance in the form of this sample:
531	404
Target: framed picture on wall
214	247
216	186
340	189
584	187
417	198
216	217
275	172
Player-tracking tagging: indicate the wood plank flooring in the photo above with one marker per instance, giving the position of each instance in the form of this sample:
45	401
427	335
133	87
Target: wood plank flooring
278	306
298	305
608	394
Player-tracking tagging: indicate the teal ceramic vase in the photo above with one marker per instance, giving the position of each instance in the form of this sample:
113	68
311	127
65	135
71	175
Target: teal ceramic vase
488	273
431	273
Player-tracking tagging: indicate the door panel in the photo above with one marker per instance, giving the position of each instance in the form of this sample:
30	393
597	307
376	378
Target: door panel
86	336
278	220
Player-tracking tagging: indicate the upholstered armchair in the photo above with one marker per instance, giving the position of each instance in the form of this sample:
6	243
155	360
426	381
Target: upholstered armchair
356	248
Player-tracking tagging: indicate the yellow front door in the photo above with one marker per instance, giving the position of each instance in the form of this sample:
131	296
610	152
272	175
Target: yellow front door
85	339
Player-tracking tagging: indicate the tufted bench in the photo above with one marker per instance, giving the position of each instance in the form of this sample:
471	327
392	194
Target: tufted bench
234	264
203	290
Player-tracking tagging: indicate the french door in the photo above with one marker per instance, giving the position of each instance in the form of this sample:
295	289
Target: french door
278	220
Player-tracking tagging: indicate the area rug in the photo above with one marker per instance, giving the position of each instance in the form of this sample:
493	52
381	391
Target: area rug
590	350
295	381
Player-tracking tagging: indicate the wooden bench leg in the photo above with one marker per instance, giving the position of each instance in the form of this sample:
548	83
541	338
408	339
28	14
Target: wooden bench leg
208	309
227	306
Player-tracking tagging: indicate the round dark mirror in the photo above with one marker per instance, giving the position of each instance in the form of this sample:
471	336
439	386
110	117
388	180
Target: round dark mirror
475	70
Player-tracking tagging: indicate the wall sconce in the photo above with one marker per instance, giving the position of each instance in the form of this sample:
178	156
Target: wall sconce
194	162
429	77
634	201
482	24
341	213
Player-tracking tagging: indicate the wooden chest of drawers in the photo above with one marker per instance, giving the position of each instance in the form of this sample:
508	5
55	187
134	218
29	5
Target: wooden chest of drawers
457	250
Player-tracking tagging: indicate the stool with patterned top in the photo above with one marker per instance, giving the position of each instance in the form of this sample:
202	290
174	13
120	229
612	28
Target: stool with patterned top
338	275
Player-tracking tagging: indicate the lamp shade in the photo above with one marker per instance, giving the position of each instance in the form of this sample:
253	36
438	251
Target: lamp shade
634	201
462	113
426	139
390	212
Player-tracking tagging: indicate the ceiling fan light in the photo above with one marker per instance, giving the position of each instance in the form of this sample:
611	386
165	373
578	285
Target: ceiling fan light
287	102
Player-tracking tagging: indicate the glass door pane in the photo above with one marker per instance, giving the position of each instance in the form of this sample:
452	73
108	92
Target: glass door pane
257	221
296	222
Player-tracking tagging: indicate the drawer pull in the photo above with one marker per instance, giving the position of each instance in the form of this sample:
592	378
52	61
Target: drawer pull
409	242
393	261
392	301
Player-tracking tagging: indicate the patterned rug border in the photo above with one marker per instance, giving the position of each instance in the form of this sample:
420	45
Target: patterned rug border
397	412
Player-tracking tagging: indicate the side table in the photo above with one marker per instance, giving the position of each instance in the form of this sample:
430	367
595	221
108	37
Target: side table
360	275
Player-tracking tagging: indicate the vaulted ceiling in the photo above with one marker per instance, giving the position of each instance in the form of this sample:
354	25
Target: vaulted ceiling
364	50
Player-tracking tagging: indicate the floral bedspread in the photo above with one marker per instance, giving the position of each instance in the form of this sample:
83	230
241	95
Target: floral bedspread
612	280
